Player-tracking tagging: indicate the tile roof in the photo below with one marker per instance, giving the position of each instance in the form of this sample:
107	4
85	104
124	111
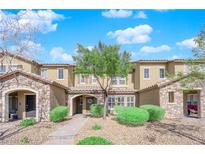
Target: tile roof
97	89
162	83
35	76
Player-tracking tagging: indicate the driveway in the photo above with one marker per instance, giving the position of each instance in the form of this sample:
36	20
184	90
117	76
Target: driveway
65	134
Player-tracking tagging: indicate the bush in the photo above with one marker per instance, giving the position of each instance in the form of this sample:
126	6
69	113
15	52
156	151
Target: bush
96	127
59	113
27	122
131	115
96	110
25	140
155	112
94	140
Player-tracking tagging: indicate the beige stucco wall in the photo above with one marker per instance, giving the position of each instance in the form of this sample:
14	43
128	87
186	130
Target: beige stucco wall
58	97
149	97
27	66
53	74
154	74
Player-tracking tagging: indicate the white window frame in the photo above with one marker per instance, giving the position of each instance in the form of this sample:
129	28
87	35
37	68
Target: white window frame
5	69
84	79
94	79
118	81
160	73
58	69
148	73
46	72
173	102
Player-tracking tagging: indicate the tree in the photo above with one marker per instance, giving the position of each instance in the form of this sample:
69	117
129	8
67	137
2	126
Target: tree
104	62
196	65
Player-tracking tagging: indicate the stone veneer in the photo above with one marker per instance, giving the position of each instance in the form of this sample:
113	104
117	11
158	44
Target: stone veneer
176	109
20	82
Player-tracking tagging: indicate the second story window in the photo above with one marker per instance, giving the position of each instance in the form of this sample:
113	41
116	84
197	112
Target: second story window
94	80
60	73
15	67
82	79
44	72
118	81
162	73
146	73
2	68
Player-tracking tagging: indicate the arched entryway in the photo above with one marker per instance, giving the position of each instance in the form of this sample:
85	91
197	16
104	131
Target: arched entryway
20	104
81	104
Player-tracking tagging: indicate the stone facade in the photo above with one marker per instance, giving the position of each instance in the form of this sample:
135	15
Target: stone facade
20	82
177	108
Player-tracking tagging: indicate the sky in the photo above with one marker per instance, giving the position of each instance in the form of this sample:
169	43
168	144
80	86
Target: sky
146	34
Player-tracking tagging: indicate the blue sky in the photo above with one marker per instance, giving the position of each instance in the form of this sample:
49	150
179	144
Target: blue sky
147	34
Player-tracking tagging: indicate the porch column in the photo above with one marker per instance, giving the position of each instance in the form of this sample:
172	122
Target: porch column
84	104
5	108
70	105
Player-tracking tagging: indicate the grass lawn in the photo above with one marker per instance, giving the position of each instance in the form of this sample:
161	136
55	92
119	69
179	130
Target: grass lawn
167	131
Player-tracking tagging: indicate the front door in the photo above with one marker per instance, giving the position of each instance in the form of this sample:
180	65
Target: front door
79	105
30	103
192	105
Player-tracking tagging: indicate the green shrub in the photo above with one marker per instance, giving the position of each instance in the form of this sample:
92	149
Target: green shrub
27	122
131	115
155	112
96	110
59	113
25	140
96	127
94	140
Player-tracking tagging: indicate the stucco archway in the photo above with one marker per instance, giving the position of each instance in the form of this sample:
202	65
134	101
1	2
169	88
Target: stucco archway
5	101
84	102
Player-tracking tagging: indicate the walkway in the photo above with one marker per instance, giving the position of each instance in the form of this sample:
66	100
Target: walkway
65	135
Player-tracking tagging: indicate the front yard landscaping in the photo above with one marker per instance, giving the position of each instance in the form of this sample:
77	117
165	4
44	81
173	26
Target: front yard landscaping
34	134
166	131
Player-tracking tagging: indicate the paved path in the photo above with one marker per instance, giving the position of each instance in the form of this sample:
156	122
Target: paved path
66	134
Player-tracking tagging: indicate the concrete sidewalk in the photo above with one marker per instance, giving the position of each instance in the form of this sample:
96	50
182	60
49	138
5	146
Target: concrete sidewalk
65	135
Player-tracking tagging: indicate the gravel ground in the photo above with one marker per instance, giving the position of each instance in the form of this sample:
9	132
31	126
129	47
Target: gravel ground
164	132
37	134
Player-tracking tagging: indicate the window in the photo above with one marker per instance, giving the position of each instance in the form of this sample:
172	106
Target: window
122	81
2	68
146	73
14	67
44	72
60	73
123	100
82	79
171	97
118	81
130	101
94	80
162	73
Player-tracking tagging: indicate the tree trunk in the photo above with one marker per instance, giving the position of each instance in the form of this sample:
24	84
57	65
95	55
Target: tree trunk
105	104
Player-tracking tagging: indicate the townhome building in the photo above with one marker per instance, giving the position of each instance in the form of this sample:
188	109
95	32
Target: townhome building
32	89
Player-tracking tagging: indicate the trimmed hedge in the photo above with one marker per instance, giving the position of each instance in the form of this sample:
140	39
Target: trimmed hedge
59	113
96	110
94	140
131	115
155	112
27	122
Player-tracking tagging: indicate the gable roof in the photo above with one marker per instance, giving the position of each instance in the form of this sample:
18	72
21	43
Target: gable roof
34	76
19	56
162	84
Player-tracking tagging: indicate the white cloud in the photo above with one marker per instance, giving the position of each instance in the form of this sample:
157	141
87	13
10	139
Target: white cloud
152	49
117	13
59	54
188	43
42	20
141	15
175	57
138	34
